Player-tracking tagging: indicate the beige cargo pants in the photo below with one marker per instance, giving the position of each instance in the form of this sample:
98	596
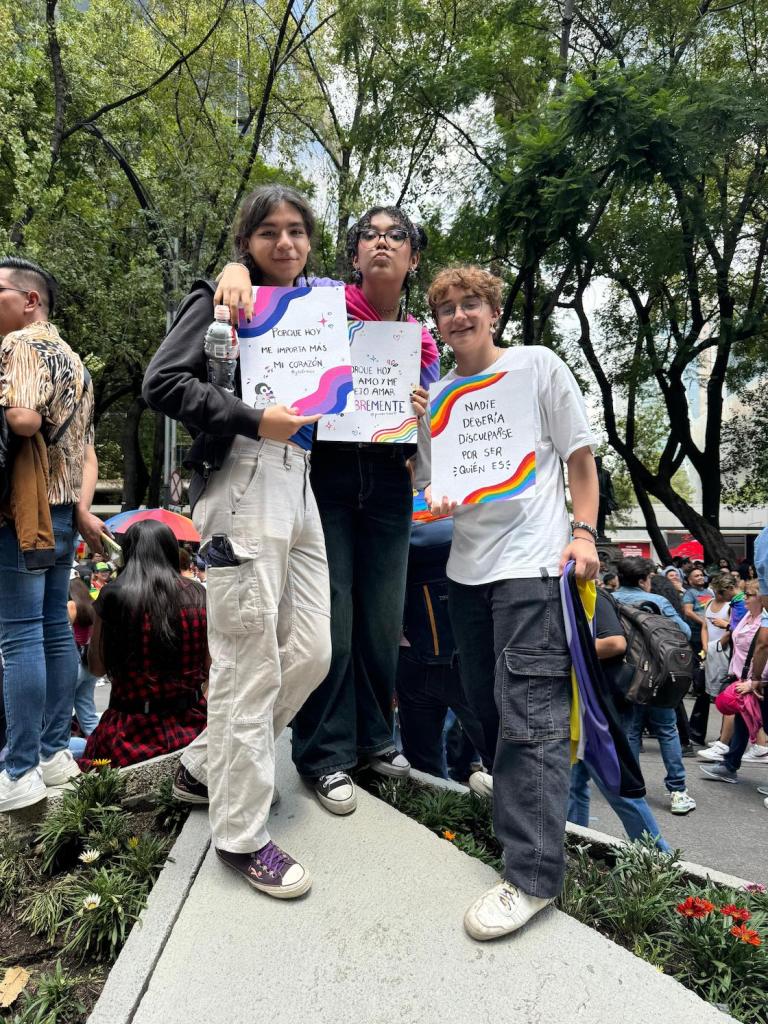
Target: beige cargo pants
268	630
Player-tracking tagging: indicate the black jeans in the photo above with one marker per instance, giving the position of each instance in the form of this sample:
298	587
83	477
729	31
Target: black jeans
424	694
740	739
365	502
516	675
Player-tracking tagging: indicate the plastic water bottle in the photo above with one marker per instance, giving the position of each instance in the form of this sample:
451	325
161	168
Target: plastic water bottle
222	348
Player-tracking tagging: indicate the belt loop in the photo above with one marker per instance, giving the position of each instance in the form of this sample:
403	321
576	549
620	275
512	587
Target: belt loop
286	463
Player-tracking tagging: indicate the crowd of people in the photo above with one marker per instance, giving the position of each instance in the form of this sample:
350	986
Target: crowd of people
314	602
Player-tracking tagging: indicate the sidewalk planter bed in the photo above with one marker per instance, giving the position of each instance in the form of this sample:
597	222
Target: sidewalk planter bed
71	889
712	939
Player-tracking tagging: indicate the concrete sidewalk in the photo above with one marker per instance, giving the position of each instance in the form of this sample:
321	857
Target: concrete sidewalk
379	939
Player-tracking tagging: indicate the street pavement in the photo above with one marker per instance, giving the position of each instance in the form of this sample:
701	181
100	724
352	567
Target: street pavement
727	831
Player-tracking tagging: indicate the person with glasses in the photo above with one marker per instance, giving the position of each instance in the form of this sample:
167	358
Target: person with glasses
364	495
504	601
47	400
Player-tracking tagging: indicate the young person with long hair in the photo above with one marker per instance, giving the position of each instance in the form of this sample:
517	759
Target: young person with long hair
365	499
149	638
267	579
82	617
505	605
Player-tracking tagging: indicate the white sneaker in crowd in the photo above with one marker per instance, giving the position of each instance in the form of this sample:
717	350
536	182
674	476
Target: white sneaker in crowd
59	768
501	910
681	802
719	747
712	753
755	754
481	783
22	792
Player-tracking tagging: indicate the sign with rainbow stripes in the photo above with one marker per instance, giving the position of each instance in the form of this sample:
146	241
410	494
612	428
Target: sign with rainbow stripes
483	438
295	350
386	358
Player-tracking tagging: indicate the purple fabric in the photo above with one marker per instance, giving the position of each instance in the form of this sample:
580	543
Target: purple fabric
599	750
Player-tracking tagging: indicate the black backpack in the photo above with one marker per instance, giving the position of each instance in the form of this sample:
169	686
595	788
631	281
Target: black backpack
426	625
658	656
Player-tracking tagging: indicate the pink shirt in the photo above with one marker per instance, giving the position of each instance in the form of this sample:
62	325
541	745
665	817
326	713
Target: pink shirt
742	638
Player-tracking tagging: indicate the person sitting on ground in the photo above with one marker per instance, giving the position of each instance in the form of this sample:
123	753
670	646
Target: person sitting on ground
149	637
82	616
635	578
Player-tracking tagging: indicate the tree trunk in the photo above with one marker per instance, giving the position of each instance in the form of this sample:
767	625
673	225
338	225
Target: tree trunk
158	453
135	474
651	522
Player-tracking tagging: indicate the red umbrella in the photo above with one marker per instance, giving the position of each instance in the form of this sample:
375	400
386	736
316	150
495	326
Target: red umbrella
689	549
183	528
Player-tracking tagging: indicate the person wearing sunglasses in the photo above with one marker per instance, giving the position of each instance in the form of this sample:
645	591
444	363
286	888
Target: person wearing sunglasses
364	495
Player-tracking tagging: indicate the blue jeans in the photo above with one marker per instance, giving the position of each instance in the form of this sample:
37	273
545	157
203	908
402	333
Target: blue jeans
635	815
365	500
39	654
664	724
85	705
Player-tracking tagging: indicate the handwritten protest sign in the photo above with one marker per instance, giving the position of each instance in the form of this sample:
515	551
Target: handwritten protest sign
483	438
385	368
295	350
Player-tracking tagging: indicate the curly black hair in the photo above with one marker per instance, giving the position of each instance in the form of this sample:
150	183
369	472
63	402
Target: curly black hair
416	233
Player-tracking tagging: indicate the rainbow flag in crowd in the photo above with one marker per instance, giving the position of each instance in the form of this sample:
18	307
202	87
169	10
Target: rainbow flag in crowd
596	734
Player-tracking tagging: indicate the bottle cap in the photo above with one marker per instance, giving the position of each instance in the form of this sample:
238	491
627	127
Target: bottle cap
221	313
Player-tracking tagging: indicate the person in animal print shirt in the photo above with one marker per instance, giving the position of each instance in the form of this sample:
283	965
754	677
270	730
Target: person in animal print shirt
43	388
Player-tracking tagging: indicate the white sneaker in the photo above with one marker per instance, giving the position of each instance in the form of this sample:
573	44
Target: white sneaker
59	768
501	910
681	803
21	792
756	754
719	747
481	783
711	754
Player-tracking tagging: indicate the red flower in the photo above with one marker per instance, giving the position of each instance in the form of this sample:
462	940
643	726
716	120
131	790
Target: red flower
737	913
696	907
746	935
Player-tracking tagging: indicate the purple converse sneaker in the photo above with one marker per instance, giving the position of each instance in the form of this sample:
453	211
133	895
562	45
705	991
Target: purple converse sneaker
270	870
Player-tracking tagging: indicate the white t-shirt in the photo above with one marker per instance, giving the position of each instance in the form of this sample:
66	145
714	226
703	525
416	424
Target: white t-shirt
517	538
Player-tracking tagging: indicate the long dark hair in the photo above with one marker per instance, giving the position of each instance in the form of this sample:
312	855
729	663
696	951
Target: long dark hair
81	596
417	236
666	588
255	208
149	588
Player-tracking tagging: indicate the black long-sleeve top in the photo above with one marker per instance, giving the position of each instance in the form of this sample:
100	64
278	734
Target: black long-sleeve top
176	383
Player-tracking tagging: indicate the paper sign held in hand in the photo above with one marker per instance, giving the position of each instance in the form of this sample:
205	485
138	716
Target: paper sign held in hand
483	438
295	350
386	359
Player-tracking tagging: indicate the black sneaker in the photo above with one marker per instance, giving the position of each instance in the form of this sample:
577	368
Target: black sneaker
336	792
187	788
270	870
391	763
688	750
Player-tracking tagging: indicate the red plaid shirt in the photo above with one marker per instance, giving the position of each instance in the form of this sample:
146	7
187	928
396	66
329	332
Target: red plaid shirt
129	737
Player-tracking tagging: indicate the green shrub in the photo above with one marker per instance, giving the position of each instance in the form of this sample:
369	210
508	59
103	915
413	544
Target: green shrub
102	787
44	911
105	905
53	1001
62	833
170	813
17	866
110	829
145	856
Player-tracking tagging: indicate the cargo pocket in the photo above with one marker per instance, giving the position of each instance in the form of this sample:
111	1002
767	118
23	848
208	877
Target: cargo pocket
233	599
533	695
